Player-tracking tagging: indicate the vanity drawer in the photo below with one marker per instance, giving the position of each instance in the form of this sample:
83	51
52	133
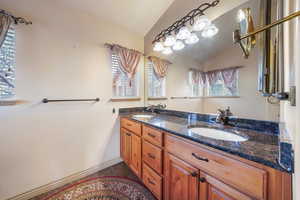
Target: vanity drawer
244	177
152	155
132	126
153	136
152	180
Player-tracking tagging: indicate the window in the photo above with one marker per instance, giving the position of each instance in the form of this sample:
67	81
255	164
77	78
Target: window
156	86
7	65
213	84
195	87
122	85
220	88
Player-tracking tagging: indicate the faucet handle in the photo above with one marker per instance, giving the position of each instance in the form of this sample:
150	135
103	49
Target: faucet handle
221	111
228	112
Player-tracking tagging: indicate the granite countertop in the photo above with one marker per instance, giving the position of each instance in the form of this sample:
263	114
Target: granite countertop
260	147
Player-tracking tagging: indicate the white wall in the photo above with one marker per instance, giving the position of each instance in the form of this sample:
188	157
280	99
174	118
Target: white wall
291	115
60	56
251	104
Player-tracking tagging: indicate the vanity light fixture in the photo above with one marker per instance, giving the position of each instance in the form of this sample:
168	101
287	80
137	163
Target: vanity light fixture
158	46
170	41
178	45
201	22
193	39
167	51
210	31
184	30
183	33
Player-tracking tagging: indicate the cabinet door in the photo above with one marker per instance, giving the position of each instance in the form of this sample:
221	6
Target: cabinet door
126	146
181	179
213	189
136	155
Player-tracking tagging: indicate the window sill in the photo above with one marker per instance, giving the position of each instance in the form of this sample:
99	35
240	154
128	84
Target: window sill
222	97
157	98
120	99
11	102
208	97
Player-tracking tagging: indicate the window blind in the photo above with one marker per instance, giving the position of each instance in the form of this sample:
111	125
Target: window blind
7	64
156	87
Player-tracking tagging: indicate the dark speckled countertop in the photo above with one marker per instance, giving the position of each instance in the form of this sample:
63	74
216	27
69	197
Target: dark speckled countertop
260	147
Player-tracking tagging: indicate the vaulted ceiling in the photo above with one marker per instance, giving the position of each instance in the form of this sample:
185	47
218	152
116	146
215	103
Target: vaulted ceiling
136	15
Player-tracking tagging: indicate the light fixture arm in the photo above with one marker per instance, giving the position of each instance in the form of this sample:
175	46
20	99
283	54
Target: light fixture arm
187	18
237	37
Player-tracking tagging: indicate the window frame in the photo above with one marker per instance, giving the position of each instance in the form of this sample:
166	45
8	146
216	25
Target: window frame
151	73
136	80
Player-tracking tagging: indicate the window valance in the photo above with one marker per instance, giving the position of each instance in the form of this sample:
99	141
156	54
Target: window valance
128	58
160	66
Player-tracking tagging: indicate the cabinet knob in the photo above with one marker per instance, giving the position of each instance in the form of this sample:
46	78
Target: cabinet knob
202	179
151	182
151	155
128	134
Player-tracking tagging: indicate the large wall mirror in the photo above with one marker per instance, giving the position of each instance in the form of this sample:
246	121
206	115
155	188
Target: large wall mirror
211	74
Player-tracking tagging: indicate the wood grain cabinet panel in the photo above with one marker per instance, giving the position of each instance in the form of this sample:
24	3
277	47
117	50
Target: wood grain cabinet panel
132	126
249	179
126	146
153	181
153	136
181	179
213	189
136	155
152	155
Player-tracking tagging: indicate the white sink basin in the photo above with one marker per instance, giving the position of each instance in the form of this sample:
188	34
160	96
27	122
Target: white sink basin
218	134
143	116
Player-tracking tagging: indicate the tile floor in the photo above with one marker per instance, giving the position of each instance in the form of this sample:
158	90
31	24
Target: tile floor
120	169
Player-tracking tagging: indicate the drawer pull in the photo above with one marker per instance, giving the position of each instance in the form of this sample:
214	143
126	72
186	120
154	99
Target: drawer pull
151	155
128	124
202	180
151	135
128	134
199	158
194	174
151	182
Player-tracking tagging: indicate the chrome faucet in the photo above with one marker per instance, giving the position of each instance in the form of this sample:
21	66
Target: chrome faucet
223	116
153	107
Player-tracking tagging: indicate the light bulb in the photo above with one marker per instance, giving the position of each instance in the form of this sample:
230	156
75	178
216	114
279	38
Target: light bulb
178	45
170	41
167	51
158	46
192	39
210	31
183	33
200	23
241	15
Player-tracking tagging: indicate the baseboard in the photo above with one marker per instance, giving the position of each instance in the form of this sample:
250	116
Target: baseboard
56	184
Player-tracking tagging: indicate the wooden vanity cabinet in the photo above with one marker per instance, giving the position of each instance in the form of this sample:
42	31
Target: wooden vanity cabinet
174	168
181	179
131	145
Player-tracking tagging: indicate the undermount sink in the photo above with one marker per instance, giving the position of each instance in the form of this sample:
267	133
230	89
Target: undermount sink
218	134
143	116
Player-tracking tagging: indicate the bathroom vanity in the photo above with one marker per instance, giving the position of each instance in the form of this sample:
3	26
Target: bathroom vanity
176	164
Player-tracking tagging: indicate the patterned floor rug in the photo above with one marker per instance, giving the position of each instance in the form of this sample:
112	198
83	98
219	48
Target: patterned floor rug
103	188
